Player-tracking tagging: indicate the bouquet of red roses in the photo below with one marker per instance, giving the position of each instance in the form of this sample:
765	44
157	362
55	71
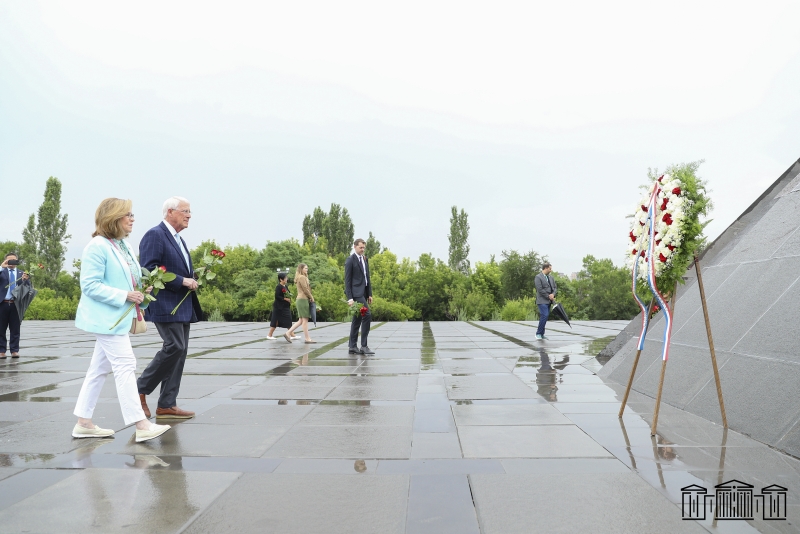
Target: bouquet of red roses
157	278
205	273
356	309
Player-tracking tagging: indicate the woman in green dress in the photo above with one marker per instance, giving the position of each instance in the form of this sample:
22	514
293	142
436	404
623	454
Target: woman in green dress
304	299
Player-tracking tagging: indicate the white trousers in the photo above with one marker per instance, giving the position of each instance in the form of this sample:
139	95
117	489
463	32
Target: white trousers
111	354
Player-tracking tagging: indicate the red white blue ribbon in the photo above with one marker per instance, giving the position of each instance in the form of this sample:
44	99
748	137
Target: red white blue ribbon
652	209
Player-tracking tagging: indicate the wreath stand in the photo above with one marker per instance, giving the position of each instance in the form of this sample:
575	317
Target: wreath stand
664	361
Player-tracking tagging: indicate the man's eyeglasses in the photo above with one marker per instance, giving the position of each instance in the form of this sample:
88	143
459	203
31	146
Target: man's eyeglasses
185	212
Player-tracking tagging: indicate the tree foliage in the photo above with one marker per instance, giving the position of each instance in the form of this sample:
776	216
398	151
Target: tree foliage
335	227
45	236
458	255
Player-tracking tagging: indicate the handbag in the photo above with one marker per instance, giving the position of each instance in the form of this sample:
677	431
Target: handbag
138	324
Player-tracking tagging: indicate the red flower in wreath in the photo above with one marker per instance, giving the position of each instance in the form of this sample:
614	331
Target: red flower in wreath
671	248
363	311
676	191
664	204
662	258
667	218
644	209
634	252
633	238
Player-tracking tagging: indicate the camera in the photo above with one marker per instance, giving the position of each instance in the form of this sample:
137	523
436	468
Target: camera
14	262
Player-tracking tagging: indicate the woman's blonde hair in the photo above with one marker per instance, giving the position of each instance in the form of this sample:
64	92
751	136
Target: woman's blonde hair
108	216
299	271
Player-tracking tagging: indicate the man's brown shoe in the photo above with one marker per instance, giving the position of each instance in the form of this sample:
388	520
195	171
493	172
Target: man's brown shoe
173	413
145	409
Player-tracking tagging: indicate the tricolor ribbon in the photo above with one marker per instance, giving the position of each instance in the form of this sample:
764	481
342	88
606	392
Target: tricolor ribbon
652	208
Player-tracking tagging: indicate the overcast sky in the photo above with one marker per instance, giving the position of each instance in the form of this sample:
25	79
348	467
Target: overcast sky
539	119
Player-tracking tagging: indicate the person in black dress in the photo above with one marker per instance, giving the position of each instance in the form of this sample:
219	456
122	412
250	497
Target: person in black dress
281	308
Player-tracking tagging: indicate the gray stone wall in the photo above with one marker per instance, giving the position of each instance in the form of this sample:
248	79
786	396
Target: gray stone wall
751	275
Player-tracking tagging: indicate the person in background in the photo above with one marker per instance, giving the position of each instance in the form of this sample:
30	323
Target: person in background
110	275
303	303
10	320
357	288
281	308
546	291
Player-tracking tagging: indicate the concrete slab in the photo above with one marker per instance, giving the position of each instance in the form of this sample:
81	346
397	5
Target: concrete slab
551	441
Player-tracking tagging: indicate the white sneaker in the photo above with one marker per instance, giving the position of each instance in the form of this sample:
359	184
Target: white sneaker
96	432
154	432
270	338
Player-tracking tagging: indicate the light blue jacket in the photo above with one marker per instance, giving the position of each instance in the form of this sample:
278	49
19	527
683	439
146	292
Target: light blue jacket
105	282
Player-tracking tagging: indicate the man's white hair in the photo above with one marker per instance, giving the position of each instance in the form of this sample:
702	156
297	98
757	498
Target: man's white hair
172	203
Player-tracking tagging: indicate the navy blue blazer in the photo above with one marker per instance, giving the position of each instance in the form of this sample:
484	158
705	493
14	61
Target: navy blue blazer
5	279
355	286
158	248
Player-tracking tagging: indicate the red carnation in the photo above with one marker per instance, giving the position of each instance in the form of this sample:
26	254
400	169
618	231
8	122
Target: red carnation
644	208
163	269
664	204
667	218
671	247
634	252
658	241
641	223
662	258
642	255
633	238
676	191
363	311
660	178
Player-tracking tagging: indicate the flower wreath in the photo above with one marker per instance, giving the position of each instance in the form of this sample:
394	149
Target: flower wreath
681	200
672	204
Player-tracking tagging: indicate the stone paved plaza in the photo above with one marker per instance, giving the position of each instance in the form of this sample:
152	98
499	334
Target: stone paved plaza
450	427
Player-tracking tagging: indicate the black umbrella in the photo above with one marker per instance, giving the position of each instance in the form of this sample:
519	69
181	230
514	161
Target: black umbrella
559	313
23	295
312	308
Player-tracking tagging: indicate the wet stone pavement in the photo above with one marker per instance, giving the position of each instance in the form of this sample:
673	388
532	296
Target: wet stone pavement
450	427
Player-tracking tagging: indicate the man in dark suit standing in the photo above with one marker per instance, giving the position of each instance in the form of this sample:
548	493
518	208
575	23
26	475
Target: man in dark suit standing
357	288
10	277
163	245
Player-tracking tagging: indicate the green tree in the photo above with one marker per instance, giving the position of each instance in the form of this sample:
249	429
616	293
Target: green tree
7	247
430	288
604	290
281	255
458	258
373	247
336	227
518	272
45	240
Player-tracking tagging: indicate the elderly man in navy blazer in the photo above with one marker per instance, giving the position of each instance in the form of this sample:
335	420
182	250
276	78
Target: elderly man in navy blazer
358	289
163	245
10	277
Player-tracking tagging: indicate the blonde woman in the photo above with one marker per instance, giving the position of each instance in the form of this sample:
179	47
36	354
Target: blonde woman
110	275
304	299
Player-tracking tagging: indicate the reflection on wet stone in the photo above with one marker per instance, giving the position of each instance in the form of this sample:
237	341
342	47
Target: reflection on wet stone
444	429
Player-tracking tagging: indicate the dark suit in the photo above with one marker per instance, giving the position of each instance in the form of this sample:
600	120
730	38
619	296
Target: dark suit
9	318
358	288
157	248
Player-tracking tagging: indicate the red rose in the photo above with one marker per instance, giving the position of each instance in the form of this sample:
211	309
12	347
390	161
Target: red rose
163	269
662	258
214	252
660	178
41	266
633	238
671	247
658	241
363	311
220	254
664	204
667	218
642	255
283	290
676	191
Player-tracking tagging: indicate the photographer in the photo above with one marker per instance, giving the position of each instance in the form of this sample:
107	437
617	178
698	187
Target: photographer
10	277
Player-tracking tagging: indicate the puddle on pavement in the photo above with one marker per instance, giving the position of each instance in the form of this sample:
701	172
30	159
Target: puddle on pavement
429	358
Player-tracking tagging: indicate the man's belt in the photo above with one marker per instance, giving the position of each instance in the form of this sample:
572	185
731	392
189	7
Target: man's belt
9	301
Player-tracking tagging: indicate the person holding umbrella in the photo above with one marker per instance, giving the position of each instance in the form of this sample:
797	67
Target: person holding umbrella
304	298
110	279
10	318
546	291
